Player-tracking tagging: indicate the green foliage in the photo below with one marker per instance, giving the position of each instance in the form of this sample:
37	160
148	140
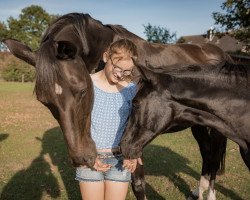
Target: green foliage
237	14
29	27
3	32
14	72
159	34
3	29
235	20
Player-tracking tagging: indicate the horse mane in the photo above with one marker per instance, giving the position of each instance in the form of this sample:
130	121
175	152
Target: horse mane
228	73
120	30
223	66
227	70
116	28
235	72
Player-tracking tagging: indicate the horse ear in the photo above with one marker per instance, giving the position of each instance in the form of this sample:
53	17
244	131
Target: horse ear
65	50
21	51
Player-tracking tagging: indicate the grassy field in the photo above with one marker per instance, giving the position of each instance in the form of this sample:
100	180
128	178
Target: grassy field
34	163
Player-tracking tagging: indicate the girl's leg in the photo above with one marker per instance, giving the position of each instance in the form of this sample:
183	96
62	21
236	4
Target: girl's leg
92	190
115	190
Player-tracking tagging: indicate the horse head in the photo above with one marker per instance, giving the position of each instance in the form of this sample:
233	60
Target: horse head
64	86
145	121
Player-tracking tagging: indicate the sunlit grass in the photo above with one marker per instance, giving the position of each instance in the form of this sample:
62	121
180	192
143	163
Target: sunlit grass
34	162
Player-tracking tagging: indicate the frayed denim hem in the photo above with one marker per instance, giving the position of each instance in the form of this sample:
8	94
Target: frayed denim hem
88	180
124	181
92	180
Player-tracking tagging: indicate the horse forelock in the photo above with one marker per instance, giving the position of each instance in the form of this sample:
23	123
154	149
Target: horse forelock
47	70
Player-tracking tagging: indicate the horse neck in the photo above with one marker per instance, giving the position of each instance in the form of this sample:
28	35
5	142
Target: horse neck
208	88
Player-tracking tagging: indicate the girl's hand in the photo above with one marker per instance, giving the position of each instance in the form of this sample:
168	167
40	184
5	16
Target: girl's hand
101	167
130	164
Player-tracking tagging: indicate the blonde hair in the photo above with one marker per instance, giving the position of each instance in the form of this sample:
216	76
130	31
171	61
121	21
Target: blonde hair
125	45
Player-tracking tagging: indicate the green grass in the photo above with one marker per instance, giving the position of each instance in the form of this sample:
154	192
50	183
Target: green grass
34	162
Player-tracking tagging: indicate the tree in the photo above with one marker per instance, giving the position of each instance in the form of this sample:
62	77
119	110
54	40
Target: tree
159	34
235	20
29	27
3	31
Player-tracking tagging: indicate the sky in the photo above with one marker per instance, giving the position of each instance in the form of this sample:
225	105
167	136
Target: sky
185	17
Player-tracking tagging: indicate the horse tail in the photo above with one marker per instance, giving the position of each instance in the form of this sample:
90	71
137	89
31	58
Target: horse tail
221	170
212	146
223	157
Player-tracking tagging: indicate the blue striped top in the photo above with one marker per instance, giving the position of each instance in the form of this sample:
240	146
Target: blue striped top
109	115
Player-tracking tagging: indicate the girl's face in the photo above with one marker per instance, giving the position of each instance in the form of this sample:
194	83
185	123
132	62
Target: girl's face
118	67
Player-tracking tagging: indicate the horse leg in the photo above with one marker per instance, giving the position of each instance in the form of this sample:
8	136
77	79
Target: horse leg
218	144
201	135
198	192
245	154
138	183
213	148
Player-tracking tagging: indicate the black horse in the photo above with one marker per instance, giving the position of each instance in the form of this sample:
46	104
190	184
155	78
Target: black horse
215	96
70	49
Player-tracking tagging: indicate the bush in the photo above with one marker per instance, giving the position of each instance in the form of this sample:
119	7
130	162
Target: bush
14	72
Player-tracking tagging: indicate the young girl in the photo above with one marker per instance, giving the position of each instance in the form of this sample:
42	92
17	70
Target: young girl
113	91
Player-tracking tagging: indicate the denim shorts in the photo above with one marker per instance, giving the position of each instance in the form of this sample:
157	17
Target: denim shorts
115	173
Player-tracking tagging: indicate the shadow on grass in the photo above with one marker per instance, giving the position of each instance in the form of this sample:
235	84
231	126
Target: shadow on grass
39	180
3	136
162	161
